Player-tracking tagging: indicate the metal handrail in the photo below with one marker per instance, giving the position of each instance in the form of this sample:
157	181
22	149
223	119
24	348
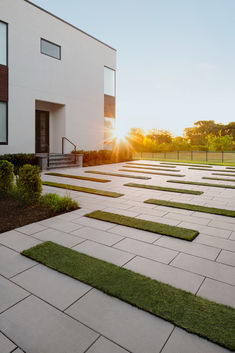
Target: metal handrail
75	147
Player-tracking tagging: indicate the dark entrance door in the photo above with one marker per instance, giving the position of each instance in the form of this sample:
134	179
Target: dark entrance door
42	131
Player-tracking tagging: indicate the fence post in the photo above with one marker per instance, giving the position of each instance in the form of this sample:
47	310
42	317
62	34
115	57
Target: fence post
178	155
191	155
222	155
164	155
206	156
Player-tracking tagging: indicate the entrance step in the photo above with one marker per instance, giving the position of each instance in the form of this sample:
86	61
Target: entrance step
52	161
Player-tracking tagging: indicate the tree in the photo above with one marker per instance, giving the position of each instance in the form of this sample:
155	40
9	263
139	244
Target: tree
159	136
219	143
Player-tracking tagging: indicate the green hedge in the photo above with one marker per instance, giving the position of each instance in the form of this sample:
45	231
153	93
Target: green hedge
105	156
6	176
20	159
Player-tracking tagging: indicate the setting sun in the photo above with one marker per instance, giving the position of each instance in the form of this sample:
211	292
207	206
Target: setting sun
120	133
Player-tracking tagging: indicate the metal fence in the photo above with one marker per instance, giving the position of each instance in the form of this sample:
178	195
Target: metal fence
223	157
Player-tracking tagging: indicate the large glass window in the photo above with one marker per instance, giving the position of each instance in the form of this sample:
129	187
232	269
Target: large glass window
109	81
109	126
3	122
3	43
51	49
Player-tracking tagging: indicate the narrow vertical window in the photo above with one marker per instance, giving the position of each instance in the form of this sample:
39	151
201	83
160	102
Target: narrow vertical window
109	81
3	122
3	43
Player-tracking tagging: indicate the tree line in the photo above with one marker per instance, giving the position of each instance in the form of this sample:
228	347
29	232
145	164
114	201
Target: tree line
205	135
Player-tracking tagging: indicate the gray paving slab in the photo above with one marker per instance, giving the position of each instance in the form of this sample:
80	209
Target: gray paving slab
58	237
17	241
53	287
6	346
100	236
102	345
10	294
63	225
232	236
149	251
137	234
104	252
222	225
94	223
218	292
12	263
226	257
31	228
164	273
183	342
205	267
219	243
18	350
37	327
191	248
133	329
187	218
163	220
222	233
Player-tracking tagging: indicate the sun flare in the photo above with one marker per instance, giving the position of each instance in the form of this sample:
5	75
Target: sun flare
119	133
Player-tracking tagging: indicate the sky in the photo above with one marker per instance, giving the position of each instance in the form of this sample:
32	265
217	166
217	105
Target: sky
175	58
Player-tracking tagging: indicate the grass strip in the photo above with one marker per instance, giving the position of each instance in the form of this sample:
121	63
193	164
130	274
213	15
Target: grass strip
164	169
151	165
222	179
187	165
149	226
163	188
140	171
117	174
232	175
187	206
192	313
82	189
214	170
78	177
201	184
230	168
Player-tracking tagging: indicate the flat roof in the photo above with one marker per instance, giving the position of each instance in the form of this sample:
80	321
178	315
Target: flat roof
69	24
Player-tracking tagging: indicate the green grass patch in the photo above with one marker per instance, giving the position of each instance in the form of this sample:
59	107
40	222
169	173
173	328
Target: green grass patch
140	171
82	189
201	184
214	170
152	165
187	165
187	206
150	168
59	203
163	188
222	179
192	313
117	174
223	174
230	168
78	177
154	227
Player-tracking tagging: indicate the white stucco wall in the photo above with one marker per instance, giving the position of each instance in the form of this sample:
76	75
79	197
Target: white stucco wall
77	81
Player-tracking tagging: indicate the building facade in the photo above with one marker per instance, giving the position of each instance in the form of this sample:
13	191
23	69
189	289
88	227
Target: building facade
55	81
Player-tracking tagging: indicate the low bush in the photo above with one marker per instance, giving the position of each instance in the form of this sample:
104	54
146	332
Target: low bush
58	203
6	176
20	159
120	154
29	184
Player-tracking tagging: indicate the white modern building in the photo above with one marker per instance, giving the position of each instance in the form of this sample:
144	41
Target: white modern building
55	81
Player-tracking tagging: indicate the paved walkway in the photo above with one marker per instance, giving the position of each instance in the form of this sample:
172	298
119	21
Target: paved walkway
42	311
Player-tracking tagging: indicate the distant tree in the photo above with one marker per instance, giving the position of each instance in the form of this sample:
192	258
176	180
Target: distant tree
219	143
135	137
159	136
197	134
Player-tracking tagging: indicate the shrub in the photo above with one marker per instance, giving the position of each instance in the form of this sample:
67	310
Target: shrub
58	203
6	176
29	184
20	159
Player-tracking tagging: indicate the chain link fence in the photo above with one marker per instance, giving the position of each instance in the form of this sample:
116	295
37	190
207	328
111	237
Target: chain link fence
199	156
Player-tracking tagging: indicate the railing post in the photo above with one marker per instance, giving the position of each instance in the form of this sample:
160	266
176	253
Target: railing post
75	157
206	156
62	145
178	155
222	155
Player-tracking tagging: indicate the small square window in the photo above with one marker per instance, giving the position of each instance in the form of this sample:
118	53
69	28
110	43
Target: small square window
50	49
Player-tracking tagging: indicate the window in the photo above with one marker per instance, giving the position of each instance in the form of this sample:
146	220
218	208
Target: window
50	49
109	81
3	123
109	126
3	43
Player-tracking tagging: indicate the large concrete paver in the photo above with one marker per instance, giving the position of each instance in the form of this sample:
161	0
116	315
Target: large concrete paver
183	342
219	243
58	237
104	252
167	274
10	294
31	228
222	233
205	267
100	236
17	241
37	327
6	346
53	287
94	223
218	292
133	329
12	263
137	234
226	257
149	251
102	345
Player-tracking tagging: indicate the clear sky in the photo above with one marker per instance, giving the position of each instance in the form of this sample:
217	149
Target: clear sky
175	58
